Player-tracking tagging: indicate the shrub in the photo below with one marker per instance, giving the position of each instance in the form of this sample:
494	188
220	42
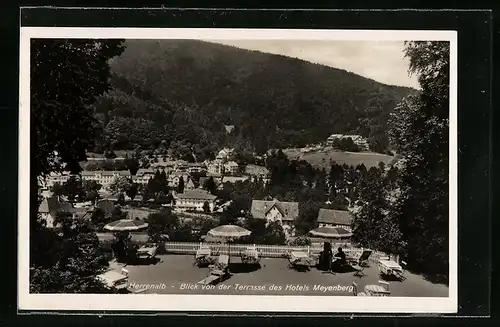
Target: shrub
301	241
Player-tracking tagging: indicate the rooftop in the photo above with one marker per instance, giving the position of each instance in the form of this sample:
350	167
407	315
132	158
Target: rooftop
196	164
336	217
106	173
233	179
195	194
53	205
256	170
289	210
142	172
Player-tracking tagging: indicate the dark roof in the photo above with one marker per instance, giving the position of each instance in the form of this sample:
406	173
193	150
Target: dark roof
80	213
335	217
53	205
196	164
256	170
141	172
195	194
289	210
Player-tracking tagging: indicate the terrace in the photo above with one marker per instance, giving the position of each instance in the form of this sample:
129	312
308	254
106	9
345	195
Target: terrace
176	274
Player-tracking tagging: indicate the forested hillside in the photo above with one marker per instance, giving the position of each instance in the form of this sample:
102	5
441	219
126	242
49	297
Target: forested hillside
179	94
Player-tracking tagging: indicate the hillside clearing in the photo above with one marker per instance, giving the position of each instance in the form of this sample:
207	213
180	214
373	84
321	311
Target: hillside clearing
321	159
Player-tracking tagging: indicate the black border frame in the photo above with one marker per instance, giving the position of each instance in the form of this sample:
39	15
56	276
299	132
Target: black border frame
474	84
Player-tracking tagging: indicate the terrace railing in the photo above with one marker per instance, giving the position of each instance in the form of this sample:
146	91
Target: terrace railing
269	251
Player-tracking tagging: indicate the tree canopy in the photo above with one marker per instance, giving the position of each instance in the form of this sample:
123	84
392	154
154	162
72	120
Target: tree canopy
420	127
181	94
67	77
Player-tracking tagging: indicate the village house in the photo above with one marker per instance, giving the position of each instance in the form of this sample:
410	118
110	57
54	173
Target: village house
143	176
229	128
335	218
196	167
258	172
91	158
181	165
231	168
175	177
284	212
215	167
225	154
194	200
105	177
219	167
52	207
190	184
54	178
171	165
360	141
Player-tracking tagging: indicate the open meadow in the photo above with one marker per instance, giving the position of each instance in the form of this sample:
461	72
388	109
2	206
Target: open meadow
321	158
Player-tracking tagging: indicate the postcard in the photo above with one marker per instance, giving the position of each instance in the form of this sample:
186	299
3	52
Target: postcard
250	170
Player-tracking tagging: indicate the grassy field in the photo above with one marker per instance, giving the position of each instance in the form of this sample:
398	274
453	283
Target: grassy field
322	159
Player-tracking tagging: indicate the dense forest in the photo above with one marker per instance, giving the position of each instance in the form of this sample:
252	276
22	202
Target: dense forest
180	94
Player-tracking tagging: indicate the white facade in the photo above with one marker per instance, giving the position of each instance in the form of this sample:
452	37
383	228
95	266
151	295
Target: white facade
231	167
284	213
225	153
215	167
360	141
48	218
54	178
105	178
193	204
196	169
143	176
218	166
346	227
194	199
174	179
142	179
274	215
